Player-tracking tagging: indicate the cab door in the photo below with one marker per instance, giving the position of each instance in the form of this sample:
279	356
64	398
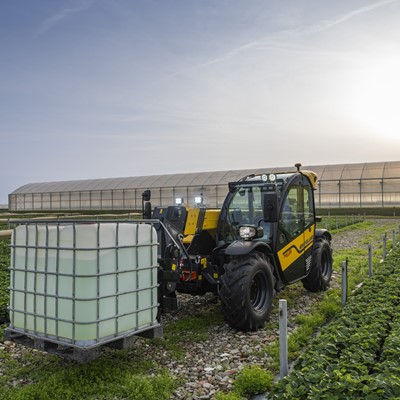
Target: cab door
296	230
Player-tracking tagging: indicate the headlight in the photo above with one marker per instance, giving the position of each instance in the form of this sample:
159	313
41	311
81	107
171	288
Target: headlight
272	177
247	232
198	200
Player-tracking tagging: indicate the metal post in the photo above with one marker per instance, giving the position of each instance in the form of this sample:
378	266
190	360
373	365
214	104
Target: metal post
283	339
370	273
393	238
344	282
384	246
336	222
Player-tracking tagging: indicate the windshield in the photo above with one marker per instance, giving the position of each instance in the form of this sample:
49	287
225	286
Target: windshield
245	208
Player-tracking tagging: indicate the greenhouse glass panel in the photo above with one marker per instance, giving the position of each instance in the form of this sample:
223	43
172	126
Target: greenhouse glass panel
371	186
391	192
371	200
352	171
167	197
350	199
391	185
373	171
391	199
46	201
95	200
106	199
329	187
350	187
128	199
85	200
332	172
37	201
65	201
29	201
118	199
75	200
55	201
329	200
392	170
210	196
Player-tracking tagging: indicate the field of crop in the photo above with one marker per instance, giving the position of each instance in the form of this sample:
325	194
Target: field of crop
353	356
356	356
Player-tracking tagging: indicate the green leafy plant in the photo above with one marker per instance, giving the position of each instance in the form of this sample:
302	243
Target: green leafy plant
356	355
252	380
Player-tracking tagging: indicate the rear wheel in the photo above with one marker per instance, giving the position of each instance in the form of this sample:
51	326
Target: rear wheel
247	292
321	267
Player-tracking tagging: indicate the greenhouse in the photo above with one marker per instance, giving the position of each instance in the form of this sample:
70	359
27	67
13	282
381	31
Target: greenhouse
339	186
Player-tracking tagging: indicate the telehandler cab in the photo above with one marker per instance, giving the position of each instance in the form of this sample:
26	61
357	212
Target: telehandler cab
263	238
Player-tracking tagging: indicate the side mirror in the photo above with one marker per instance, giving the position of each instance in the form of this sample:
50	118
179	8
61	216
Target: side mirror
146	195
271	208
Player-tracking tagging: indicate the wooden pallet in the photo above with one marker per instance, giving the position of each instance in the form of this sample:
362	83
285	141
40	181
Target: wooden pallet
81	355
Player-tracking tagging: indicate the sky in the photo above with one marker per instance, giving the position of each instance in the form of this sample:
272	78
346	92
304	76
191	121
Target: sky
113	88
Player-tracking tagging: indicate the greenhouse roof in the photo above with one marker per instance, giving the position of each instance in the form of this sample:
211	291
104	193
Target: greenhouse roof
336	172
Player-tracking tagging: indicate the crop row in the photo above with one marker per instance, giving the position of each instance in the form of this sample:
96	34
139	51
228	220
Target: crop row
357	355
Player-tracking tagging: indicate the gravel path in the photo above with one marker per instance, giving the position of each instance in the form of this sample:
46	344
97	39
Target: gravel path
210	366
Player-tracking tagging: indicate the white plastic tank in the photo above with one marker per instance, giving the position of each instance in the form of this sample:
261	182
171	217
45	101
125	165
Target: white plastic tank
83	284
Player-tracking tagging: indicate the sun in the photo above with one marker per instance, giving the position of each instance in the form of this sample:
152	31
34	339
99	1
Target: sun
374	97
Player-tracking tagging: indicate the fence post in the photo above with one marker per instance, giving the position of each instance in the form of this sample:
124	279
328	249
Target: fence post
283	339
344	281
336	222
384	246
370	273
393	238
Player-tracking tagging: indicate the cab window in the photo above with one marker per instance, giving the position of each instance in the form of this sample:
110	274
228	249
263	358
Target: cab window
291	219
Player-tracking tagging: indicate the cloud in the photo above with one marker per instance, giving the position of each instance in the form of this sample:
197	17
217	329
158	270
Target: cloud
274	40
324	25
52	21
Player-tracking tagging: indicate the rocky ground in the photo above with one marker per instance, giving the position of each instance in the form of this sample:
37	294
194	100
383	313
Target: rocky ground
210	366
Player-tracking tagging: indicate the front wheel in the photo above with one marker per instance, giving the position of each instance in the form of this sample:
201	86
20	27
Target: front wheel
247	292
321	267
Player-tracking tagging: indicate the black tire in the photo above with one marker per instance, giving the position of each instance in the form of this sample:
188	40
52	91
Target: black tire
321	267
247	292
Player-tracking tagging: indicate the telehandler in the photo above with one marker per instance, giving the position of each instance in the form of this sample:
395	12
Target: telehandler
263	238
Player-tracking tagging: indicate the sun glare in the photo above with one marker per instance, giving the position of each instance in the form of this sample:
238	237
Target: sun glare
374	97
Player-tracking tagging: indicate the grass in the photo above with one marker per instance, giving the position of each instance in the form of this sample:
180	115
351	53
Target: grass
39	376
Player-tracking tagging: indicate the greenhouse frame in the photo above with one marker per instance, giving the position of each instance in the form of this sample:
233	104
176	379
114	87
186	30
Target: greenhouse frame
339	186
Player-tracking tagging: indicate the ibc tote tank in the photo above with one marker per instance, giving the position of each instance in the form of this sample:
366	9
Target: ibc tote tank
83	284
